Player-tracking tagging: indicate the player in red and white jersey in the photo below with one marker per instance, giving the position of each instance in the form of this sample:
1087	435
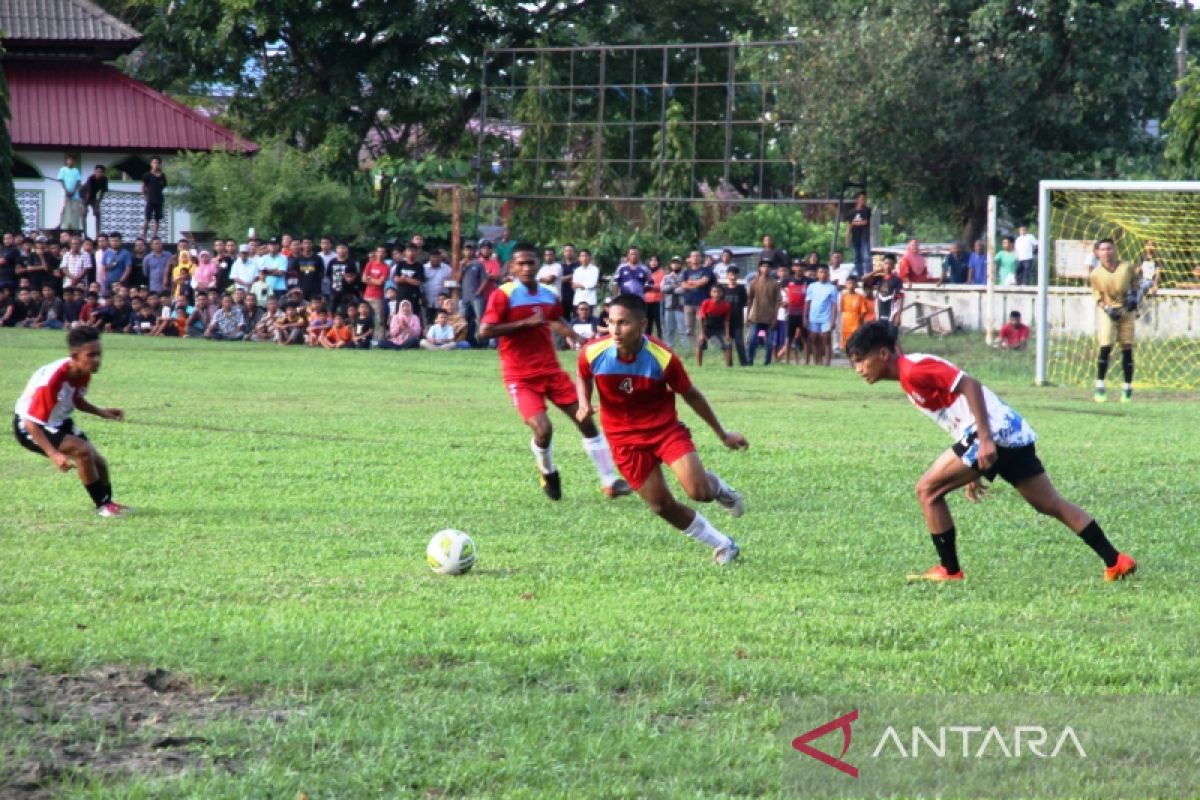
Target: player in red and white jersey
637	378
521	314
43	423
990	439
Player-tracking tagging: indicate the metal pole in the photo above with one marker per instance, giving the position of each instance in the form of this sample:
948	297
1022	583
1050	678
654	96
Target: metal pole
599	143
483	107
990	297
729	74
632	115
662	142
456	232
1043	293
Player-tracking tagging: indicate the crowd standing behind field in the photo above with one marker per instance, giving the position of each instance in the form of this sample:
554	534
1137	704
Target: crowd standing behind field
294	291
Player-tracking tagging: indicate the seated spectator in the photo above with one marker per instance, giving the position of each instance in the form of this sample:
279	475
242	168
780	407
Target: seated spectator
1014	335
290	329
364	326
174	325
228	323
263	327
143	319
602	319
51	312
456	320
913	268
338	335
583	323
440	335
319	322
20	312
201	317
404	329
72	304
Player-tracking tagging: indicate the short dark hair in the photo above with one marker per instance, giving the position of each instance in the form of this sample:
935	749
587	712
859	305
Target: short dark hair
524	247
1016	314
1004	239
81	336
1105	240
870	337
889	258
631	303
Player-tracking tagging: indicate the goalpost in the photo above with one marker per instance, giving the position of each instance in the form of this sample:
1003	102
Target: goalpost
1072	217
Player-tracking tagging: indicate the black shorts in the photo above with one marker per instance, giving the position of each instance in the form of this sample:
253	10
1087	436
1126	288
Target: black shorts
795	322
1014	464
154	210
56	437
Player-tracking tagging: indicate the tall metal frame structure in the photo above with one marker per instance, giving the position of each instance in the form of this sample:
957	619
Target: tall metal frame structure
608	94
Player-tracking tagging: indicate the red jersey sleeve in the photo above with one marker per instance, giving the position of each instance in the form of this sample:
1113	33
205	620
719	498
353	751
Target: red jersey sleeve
930	375
497	307
705	308
583	366
676	376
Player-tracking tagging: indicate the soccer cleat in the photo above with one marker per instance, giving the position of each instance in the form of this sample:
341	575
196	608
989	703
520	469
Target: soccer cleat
1127	395
113	510
727	555
618	488
1100	396
552	486
936	574
733	502
1124	567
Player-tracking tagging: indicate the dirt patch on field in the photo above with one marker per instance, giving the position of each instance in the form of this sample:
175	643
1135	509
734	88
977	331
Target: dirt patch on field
109	721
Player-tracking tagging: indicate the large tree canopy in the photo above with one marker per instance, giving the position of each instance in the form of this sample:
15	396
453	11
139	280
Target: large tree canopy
943	102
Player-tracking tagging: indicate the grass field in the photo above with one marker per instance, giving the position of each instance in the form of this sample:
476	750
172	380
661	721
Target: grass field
285	496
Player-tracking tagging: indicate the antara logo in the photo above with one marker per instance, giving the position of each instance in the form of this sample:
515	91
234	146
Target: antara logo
843	722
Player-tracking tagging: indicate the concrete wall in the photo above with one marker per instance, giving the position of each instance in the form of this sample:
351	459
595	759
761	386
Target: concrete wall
122	210
1071	309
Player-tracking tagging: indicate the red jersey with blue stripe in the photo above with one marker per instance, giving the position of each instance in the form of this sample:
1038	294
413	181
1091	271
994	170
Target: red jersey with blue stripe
637	396
529	352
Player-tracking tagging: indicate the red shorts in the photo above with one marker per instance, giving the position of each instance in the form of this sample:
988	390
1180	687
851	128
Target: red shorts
529	395
636	460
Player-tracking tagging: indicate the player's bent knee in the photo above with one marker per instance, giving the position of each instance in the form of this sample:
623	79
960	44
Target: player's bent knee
699	492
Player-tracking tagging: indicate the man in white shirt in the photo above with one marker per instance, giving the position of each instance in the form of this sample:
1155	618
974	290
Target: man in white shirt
244	270
551	272
1024	247
839	272
584	280
437	272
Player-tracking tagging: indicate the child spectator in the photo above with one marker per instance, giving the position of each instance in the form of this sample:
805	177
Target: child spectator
1014	335
201	317
1006	263
291	328
456	320
339	335
820	311
854	310
440	335
714	322
735	295
404	329
364	327
796	289
320	323
583	323
144	318
72	305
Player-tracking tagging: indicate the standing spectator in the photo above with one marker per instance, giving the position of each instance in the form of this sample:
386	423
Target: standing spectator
205	276
154	184
228	323
735	295
408	276
795	289
76	265
569	264
858	234
375	275
418	244
1111	284
473	280
714	320
1025	248
653	297
155	265
243	273
504	250
956	268
71	180
1006	263
137	264
632	276
39	266
274	265
765	300
1015	334
437	272
721	267
854	307
775	257
821	307
327	255
497	271
310	269
404	329
913	268
94	189
839	272
10	260
343	278
551	272
584	280
117	262
977	263
697	281
889	292
439	336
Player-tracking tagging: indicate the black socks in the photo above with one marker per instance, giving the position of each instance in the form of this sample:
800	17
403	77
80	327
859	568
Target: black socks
100	491
947	552
1094	538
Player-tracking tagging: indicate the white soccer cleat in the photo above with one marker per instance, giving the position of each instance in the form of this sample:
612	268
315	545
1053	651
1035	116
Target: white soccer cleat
733	502
727	555
113	510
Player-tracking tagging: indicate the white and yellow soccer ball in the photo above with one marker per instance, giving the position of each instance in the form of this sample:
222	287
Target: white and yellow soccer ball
450	552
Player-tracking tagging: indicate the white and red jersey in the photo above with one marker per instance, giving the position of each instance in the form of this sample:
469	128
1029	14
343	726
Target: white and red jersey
932	385
49	397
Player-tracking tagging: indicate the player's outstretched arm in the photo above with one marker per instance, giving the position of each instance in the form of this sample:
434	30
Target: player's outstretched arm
567	332
583	391
492	330
973	391
699	403
104	413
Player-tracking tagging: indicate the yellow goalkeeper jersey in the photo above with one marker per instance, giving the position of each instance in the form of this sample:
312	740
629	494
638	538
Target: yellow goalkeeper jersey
1112	286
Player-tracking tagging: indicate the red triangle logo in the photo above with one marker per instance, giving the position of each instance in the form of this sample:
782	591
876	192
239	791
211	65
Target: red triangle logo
843	722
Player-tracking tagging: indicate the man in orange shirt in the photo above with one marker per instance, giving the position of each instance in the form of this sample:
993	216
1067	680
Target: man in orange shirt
854	310
338	336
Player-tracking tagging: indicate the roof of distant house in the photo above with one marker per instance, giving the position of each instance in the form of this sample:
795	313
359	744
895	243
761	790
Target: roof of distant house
62	21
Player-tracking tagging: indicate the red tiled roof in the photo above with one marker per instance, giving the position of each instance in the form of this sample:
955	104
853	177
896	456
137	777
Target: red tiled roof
91	106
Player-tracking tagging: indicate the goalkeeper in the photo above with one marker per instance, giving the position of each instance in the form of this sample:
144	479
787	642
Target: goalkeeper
1114	289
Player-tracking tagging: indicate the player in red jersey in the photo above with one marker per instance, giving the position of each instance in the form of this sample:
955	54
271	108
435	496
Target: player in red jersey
43	423
522	313
990	439
638	377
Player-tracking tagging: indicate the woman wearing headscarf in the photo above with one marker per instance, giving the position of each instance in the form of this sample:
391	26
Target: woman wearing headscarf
204	276
913	268
404	330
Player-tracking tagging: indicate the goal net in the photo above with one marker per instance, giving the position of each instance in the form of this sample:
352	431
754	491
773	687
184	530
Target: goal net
1155	227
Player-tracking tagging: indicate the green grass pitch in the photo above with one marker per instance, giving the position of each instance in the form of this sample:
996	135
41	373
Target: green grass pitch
284	498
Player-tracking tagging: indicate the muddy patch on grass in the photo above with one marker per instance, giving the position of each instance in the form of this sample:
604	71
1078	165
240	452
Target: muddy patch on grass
109	722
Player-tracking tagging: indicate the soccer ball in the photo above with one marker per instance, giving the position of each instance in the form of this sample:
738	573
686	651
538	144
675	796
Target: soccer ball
450	552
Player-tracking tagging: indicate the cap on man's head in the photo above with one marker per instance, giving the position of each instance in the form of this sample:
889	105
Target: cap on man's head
485	242
766	261
274	240
676	258
244	248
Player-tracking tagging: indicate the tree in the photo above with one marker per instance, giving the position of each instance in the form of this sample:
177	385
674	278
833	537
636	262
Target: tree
10	213
672	177
943	102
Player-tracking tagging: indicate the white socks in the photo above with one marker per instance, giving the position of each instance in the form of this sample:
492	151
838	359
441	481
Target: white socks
601	456
1099	384
545	458
702	531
